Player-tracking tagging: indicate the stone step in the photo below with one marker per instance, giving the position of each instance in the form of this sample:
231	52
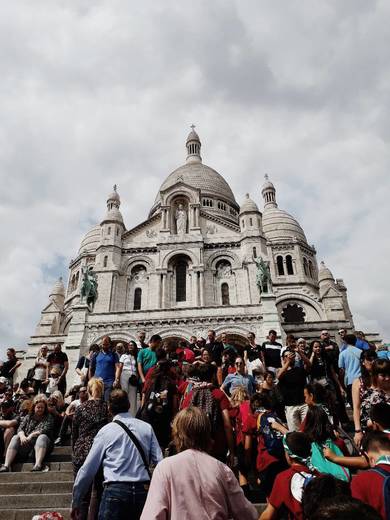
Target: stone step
20	488
54	466
54	500
25	476
27	514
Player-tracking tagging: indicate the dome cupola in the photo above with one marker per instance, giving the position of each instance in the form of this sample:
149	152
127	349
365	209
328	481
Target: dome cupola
269	193
325	274
249	205
113	203
193	145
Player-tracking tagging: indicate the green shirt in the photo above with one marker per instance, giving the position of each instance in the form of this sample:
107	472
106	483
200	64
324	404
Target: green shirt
147	358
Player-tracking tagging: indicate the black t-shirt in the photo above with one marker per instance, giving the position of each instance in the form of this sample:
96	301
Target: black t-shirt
215	349
291	385
318	368
271	352
57	358
83	362
7	366
252	352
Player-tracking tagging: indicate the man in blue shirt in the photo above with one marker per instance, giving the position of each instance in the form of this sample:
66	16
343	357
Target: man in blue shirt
126	479
239	378
104	365
349	365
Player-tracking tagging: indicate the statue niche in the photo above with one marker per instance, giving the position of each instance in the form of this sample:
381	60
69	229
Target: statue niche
180	215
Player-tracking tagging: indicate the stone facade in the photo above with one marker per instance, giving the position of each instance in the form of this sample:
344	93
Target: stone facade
191	266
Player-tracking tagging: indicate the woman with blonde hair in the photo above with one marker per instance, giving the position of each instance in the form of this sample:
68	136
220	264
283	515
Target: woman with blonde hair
192	484
88	418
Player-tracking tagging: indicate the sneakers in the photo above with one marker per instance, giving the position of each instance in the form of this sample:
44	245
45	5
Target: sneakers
58	441
43	469
4	468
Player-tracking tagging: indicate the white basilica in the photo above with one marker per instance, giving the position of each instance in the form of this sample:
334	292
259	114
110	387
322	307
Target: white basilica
191	266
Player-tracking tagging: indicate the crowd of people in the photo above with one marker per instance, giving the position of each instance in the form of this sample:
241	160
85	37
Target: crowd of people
203	428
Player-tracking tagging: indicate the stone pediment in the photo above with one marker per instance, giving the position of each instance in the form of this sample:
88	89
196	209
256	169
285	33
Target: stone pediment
331	292
147	231
213	225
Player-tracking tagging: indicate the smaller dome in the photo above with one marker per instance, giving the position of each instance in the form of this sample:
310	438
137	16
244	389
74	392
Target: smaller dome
278	225
58	288
193	136
267	184
91	240
114	196
325	274
248	205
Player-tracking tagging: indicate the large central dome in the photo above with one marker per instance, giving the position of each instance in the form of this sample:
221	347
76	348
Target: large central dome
198	175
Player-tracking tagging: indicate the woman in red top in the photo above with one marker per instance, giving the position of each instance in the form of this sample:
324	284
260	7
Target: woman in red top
216	405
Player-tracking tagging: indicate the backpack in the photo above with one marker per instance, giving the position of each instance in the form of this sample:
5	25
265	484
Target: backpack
298	483
203	398
385	488
272	439
323	465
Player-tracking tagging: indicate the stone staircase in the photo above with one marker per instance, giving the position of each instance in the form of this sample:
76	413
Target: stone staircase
24	494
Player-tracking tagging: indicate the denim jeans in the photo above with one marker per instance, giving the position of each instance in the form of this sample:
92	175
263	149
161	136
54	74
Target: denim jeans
123	500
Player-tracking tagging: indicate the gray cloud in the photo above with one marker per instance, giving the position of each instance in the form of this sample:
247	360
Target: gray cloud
93	94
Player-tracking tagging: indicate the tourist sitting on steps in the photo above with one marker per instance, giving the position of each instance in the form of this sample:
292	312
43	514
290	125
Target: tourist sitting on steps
35	432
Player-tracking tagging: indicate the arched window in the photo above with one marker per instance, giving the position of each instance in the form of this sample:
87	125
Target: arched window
293	313
109	230
311	269
250	221
305	267
181	280
254	252
77	279
279	262
289	265
105	260
225	294
137	299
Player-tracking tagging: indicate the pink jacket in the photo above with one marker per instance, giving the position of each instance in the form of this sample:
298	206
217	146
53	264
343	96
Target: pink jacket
194	486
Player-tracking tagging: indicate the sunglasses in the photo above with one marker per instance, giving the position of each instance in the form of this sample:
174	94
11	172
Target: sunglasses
238	364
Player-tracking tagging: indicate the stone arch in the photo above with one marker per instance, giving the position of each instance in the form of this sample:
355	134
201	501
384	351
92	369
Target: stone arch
185	252
129	263
179	333
225	255
313	310
181	191
114	335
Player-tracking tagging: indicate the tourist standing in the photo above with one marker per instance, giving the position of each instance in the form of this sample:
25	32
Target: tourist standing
127	374
292	381
147	356
239	378
271	352
126	477
214	347
104	365
59	361
40	370
141	340
176	493
9	367
349	365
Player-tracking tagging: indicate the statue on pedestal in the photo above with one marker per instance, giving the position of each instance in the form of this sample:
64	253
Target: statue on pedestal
263	276
89	284
181	220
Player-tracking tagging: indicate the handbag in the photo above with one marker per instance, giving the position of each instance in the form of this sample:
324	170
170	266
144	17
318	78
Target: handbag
137	445
133	380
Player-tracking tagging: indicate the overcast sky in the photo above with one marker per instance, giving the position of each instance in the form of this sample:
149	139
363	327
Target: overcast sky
97	93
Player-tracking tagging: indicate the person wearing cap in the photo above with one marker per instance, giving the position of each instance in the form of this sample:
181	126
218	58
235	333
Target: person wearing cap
9	422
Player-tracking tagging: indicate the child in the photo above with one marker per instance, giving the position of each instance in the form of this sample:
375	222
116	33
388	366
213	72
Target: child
289	484
373	486
53	381
270	454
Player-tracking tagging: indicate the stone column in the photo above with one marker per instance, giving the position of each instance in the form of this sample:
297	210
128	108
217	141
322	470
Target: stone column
163	290
201	282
